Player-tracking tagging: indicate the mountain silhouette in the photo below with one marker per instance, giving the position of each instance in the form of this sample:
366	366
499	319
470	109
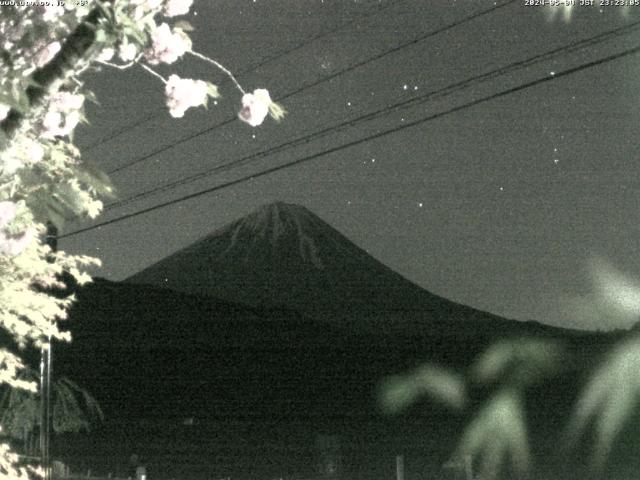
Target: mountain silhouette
283	255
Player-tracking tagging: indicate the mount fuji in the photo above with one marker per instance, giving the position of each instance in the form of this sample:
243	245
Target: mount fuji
284	256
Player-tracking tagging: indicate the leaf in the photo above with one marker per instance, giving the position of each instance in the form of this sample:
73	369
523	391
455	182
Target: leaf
91	175
399	392
277	111
497	437
212	90
519	362
184	25
74	408
609	399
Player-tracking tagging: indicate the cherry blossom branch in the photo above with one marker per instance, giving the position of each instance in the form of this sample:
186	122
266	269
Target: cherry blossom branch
221	67
154	73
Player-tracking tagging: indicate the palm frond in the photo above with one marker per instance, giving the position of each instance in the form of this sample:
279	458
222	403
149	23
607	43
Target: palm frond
609	399
400	391
497	437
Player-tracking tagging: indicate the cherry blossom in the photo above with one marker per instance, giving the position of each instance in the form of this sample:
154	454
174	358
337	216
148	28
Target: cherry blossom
166	45
127	52
183	93
63	114
27	151
106	54
10	163
11	244
33	152
173	8
255	107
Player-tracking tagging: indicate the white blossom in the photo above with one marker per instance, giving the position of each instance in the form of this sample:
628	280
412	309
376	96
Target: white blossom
183	93
11	244
166	45
9	162
63	114
255	107
25	151
173	8
66	101
4	111
106	54
33	151
51	12
127	52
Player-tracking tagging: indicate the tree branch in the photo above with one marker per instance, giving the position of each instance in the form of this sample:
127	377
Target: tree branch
48	78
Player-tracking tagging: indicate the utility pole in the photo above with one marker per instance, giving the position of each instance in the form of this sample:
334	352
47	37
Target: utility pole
399	467
51	239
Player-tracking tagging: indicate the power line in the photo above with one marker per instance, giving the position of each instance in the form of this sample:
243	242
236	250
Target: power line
448	90
252	68
353	143
318	82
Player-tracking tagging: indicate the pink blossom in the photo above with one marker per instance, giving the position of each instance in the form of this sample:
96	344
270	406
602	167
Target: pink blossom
166	45
173	8
66	101
11	244
255	107
45	55
184	93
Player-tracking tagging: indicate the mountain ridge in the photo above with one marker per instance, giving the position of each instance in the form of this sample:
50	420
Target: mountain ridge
284	255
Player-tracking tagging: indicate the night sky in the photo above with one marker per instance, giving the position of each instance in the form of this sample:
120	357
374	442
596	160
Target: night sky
525	205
